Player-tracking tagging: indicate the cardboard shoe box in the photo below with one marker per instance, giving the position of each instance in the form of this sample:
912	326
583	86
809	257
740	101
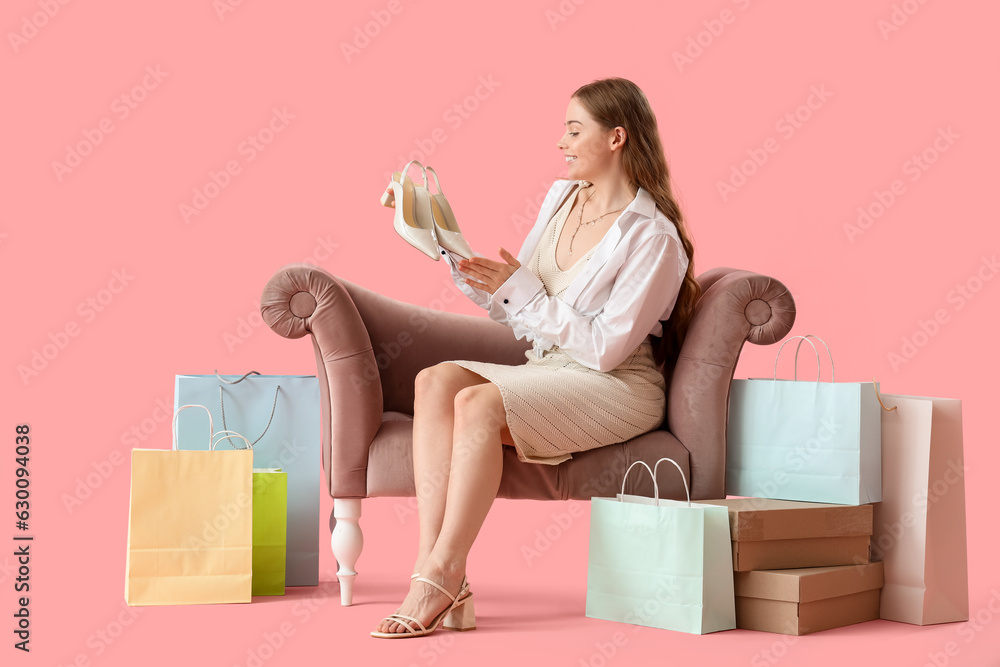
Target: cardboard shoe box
800	601
778	534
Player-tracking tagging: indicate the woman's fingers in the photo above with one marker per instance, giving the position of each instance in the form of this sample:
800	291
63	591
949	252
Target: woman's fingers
509	258
479	267
491	271
471	270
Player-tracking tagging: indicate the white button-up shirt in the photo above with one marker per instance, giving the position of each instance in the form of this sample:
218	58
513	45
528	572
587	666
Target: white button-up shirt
629	284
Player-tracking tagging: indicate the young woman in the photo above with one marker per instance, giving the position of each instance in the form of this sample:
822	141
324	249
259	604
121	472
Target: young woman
607	263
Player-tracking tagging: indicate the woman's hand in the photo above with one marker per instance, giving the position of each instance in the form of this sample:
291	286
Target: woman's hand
491	274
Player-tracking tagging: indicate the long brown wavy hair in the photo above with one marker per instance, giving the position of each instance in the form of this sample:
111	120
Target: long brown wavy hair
619	102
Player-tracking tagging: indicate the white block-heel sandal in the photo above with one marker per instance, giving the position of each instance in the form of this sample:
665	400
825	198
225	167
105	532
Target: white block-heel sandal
459	615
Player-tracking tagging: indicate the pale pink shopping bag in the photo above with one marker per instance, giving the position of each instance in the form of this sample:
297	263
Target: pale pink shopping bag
919	527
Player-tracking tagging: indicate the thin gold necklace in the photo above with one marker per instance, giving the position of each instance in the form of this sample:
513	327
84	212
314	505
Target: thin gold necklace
581	223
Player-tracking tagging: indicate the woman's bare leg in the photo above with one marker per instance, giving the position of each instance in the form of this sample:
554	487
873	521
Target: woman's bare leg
433	426
475	468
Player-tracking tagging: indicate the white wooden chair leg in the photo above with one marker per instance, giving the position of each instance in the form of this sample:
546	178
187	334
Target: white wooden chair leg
346	542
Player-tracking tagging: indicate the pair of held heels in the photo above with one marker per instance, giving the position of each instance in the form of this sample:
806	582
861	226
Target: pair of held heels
459	615
424	220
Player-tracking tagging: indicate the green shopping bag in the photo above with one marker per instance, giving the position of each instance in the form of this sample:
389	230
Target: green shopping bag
270	521
660	563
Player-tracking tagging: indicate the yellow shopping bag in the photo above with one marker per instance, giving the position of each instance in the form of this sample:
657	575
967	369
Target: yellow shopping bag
190	525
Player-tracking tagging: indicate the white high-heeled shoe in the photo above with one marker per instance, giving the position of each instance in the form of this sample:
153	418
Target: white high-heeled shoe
449	236
459	615
413	219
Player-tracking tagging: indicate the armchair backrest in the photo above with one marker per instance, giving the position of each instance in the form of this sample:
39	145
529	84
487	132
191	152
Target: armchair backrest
407	338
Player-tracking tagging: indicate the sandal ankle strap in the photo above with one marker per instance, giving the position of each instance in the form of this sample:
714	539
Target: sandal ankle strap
439	587
436	180
423	171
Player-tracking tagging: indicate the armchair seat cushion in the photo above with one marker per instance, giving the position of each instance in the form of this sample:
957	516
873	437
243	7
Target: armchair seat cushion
596	472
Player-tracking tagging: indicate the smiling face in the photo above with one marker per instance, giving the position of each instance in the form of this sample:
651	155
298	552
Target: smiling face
588	147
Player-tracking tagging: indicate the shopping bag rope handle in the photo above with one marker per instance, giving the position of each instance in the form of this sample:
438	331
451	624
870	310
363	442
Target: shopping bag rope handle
652	473
235	381
273	405
798	346
833	370
232	434
879	397
656	491
173	426
211	432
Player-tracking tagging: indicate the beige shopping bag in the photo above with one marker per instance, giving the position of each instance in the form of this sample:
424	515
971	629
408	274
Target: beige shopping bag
190	526
919	527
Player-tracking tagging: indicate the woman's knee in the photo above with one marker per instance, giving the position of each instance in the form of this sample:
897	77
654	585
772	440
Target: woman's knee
483	404
444	377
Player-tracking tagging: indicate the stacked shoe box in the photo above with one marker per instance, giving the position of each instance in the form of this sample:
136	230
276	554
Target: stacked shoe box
801	567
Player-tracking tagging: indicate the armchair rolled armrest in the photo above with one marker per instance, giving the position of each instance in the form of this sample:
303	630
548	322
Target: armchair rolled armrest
736	306
303	299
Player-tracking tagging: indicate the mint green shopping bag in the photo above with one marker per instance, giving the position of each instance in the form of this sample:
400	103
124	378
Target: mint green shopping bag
660	563
270	525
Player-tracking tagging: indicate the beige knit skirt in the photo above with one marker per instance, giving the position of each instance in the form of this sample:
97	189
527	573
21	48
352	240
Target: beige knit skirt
556	406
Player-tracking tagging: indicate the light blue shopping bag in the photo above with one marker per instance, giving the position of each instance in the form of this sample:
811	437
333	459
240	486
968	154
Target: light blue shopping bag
809	441
660	563
280	416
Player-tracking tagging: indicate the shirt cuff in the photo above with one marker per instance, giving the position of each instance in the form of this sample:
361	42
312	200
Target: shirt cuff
518	290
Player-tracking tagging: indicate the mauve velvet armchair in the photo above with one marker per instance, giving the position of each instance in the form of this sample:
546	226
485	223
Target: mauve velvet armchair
369	349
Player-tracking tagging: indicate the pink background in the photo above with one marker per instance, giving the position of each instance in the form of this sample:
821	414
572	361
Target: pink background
186	299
